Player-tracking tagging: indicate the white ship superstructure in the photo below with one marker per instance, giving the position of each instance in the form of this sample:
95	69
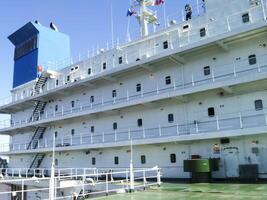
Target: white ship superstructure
195	88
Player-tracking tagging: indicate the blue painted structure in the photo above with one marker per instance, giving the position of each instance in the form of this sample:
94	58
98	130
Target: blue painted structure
52	46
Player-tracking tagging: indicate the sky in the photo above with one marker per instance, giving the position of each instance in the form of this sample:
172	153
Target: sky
87	22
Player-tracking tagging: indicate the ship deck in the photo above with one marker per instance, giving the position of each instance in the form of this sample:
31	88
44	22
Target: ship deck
171	191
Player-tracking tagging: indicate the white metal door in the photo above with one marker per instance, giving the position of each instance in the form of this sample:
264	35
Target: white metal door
231	163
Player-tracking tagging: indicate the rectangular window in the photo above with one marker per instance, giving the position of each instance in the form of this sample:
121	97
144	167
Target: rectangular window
56	134
165	45
139	122
138	87
25	48
116	160
252	59
120	60
170	118
92	129
93	160
92	99
258	104
202	32
57	82
72	104
68	78
211	112
104	66
89	71
173	158
143	159
168	80
72	132
206	70
56	108
245	18
115	126
114	93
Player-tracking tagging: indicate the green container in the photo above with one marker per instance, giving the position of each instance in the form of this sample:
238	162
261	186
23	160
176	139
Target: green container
201	165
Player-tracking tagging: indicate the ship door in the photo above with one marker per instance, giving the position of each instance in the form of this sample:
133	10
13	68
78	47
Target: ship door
231	162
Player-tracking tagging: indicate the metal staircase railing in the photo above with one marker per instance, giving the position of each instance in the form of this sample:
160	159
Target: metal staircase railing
40	84
38	110
36	161
39	132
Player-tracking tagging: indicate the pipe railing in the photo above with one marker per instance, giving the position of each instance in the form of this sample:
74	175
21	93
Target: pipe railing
224	122
224	72
86	183
182	38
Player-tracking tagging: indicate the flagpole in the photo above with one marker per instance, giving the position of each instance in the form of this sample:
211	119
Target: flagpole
164	12
112	26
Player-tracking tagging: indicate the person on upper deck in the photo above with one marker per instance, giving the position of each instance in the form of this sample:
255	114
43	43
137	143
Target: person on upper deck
188	12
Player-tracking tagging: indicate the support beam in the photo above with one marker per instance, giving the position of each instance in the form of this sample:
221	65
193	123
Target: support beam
177	59
109	78
181	99
227	89
146	67
223	46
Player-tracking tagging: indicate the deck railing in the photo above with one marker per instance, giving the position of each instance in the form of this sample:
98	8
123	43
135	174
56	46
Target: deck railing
177	39
84	185
237	70
175	130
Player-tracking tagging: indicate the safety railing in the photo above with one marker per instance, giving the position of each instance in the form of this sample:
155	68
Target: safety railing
177	39
224	122
228	71
83	185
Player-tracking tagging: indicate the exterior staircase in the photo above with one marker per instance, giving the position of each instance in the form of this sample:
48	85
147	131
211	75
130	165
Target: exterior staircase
37	161
40	84
38	110
39	132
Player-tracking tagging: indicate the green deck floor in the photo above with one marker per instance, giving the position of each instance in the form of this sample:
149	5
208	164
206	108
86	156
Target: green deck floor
197	192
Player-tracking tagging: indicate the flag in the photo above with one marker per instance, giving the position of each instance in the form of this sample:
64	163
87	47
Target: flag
149	2
159	2
130	12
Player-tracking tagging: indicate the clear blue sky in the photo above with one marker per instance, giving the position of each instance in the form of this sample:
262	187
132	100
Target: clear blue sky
86	21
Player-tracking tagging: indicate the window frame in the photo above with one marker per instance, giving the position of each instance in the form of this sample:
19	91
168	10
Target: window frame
202	32
138	87
258	102
207	71
168	80
252	59
143	159
170	117
140	122
211	112
173	158
116	160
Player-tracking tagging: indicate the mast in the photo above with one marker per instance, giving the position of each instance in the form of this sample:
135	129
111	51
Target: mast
143	21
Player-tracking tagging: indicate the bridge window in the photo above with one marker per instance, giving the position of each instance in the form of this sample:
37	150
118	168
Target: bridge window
168	80
92	99
173	158
139	122
25	47
202	32
245	18
114	93
165	45
252	59
138	87
206	70
72	104
211	112
72	132
115	126
93	160
120	60
258	104
104	65
116	160
143	159
92	129
89	71
170	118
